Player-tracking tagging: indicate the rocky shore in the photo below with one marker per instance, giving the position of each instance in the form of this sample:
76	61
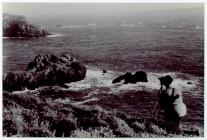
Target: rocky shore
52	111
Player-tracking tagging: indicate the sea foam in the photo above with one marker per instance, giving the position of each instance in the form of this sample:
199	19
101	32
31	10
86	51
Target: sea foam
96	81
55	35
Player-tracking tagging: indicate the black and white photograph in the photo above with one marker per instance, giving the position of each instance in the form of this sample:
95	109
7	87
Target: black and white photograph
103	70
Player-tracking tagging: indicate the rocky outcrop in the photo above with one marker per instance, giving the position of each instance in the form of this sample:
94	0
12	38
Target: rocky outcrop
58	67
17	26
45	70
139	76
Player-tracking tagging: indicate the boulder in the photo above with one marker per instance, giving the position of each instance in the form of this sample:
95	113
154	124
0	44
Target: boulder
139	76
104	71
122	77
45	70
129	78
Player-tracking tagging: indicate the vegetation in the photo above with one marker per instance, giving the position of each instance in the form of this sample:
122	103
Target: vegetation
32	114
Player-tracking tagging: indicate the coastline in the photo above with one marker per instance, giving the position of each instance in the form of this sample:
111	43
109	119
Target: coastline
96	90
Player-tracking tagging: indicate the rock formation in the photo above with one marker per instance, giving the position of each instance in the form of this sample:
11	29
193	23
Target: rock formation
17	26
139	76
45	70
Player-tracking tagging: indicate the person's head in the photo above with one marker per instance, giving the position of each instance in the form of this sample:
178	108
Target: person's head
166	80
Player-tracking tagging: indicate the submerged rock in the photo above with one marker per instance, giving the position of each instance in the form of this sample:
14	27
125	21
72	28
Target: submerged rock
139	76
45	70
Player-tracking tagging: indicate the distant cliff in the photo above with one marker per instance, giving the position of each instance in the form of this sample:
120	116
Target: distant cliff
17	26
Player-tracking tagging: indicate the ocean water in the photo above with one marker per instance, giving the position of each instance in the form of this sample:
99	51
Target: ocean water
158	48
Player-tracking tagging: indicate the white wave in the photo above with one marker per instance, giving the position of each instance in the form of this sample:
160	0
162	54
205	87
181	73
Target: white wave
55	35
64	26
154	84
64	101
68	101
178	82
197	27
127	25
94	92
85	101
72	26
25	91
96	81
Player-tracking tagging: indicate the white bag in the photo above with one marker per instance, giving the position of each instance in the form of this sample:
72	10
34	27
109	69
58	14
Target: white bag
180	109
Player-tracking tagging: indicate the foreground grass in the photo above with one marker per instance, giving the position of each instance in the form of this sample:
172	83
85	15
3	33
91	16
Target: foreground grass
34	115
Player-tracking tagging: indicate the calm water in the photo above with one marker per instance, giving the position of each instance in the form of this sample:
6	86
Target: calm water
160	47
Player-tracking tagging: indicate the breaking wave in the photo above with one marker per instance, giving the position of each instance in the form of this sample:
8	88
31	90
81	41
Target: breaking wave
55	35
97	81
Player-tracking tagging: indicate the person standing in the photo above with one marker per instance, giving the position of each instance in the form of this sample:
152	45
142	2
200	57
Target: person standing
171	101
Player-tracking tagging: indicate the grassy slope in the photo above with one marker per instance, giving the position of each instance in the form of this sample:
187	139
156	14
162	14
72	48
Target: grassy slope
37	115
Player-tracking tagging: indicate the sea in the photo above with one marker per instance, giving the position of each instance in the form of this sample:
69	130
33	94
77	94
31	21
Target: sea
162	45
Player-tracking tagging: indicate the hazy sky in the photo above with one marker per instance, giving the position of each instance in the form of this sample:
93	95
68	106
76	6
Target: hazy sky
60	13
57	9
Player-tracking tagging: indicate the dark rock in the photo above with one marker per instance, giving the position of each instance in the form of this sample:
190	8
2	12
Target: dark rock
45	70
139	76
17	26
61	68
194	132
129	78
189	83
118	79
104	71
12	81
